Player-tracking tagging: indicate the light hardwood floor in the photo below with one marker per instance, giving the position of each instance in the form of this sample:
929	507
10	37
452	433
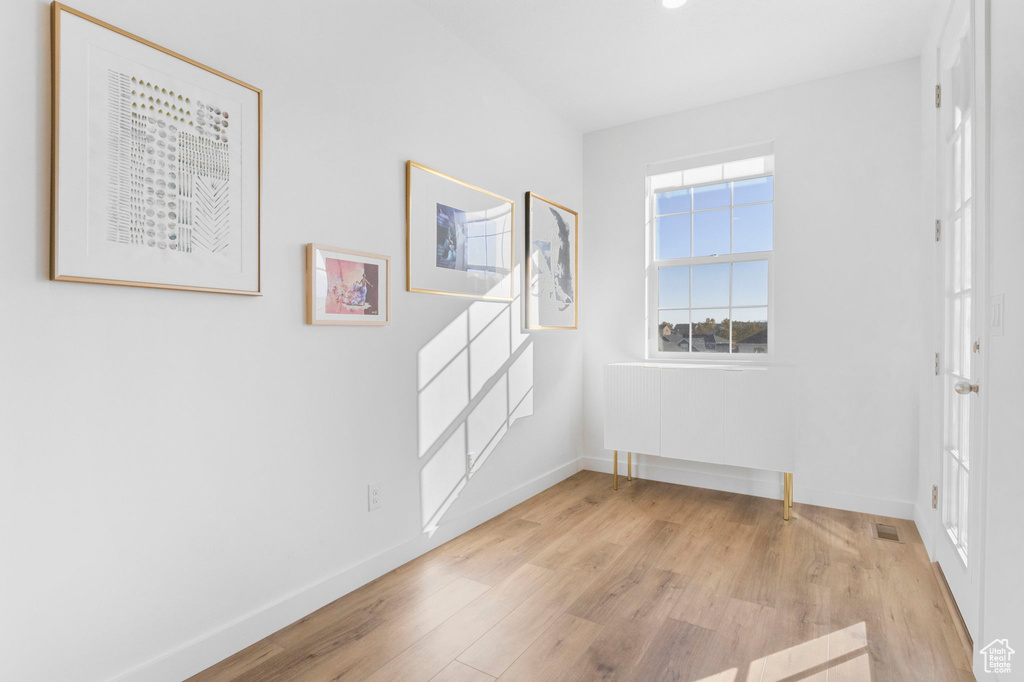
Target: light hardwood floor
652	582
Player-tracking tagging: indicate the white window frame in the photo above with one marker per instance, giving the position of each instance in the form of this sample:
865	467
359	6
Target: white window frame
652	321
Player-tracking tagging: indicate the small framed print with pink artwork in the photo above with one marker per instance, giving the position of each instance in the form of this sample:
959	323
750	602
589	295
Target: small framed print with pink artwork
347	287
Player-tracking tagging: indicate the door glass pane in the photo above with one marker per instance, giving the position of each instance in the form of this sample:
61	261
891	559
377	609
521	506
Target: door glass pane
968	252
672	236
951	486
953	417
674	331
711	196
750	330
956	256
968	169
674	287
964	430
711	286
752	228
753	191
750	283
961	521
957	172
966	344
710	330
711	232
953	334
672	202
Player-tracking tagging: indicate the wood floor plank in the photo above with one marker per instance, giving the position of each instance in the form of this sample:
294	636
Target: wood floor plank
500	646
629	631
230	668
554	655
675	653
356	654
460	672
650	582
620	584
433	652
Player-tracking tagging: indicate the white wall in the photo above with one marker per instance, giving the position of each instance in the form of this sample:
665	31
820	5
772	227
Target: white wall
171	463
1003	593
849	275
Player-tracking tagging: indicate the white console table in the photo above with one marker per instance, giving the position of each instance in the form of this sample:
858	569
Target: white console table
723	414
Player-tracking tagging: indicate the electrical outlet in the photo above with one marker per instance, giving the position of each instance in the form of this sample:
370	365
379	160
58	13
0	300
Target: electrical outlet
376	498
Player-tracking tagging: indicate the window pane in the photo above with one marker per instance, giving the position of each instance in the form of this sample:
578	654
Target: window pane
672	202
750	330
674	287
711	286
672	236
752	228
711	196
750	283
711	233
710	330
753	191
674	331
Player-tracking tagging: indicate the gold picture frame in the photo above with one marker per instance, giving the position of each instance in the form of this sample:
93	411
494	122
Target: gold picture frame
533	311
344	312
60	271
414	253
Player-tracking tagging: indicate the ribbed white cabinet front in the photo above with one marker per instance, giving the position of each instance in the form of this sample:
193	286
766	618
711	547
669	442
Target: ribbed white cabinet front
632	409
740	417
692	422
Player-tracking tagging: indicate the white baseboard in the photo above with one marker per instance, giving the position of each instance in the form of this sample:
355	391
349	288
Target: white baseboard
201	653
925	518
757	483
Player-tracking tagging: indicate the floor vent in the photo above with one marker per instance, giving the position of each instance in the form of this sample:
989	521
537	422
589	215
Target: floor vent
886	532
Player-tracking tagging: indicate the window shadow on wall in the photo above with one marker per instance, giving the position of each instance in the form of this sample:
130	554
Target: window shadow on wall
475	380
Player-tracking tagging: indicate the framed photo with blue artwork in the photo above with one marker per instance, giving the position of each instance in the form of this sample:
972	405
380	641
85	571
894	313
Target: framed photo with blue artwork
552	264
156	165
459	238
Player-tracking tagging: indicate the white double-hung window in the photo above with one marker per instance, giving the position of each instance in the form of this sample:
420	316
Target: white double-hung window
710	247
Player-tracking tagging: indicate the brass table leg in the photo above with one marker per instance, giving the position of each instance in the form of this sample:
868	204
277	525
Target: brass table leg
791	489
615	472
785	496
629	466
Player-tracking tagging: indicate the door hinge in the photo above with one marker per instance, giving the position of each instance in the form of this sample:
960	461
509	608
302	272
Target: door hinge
938	96
938	230
935	497
977	346
938	364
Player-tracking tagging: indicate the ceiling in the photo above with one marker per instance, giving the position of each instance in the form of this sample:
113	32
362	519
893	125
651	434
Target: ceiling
600	63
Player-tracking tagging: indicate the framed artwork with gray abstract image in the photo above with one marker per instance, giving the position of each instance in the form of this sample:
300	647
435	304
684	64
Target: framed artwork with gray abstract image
156	165
552	266
459	238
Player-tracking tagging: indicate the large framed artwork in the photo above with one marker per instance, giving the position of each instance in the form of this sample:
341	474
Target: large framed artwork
552	264
347	287
156	165
459	238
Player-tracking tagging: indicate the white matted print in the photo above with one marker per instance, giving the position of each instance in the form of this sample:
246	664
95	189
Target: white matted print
552	267
156	165
347	287
459	237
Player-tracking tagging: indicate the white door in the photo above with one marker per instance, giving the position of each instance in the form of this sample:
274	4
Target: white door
959	363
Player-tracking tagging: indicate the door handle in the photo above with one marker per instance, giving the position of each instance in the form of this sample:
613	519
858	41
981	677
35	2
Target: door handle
965	387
